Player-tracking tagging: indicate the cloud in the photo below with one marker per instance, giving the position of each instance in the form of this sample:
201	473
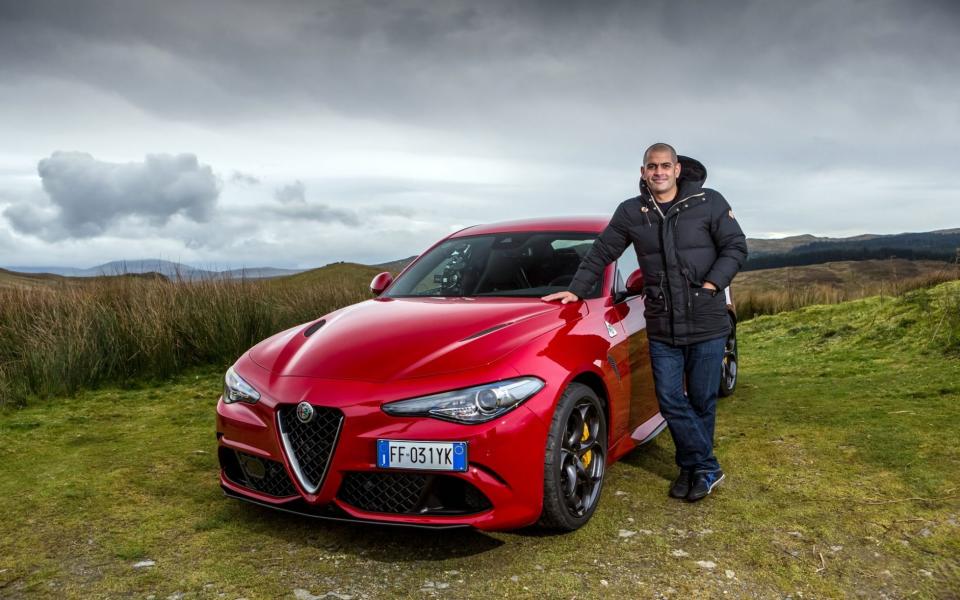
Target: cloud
87	196
497	65
396	114
319	212
393	210
6	243
244	178
294	192
293	198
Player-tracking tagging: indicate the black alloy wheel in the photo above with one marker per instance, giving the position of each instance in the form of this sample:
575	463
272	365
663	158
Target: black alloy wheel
575	460
728	376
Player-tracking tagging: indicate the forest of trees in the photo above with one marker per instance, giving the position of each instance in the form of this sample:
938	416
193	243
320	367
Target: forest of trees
911	246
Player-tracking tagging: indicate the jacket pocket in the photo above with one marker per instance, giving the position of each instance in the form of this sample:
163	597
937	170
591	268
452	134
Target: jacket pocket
654	301
709	310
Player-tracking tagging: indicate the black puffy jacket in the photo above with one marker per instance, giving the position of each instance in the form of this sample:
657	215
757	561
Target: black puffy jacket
697	240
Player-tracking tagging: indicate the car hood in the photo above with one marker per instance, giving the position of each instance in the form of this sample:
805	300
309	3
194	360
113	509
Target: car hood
399	338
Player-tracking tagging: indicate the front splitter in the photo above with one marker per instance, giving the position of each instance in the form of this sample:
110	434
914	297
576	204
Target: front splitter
332	513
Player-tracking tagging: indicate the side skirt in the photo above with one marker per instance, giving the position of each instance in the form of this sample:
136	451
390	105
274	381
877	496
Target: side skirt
649	430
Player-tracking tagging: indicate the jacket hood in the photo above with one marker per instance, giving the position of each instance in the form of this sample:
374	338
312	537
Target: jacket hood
692	177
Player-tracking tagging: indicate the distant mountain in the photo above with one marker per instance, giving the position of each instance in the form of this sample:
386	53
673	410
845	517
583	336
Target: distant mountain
759	247
169	269
62	271
797	250
942	245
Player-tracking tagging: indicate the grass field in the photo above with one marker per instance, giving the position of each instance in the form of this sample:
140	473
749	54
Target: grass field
840	445
861	277
770	291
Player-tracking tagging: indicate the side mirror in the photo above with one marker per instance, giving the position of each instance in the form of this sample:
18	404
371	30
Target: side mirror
635	283
380	283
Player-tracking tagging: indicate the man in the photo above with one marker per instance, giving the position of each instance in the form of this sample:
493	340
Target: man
689	247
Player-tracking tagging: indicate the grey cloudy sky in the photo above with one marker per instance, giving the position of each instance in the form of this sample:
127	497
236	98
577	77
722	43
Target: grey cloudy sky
300	133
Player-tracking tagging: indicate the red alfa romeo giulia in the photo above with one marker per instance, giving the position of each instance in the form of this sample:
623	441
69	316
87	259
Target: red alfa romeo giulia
455	397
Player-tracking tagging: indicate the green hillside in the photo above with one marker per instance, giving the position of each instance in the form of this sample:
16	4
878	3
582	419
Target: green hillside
17	280
348	275
13	279
871	276
395	266
921	323
840	446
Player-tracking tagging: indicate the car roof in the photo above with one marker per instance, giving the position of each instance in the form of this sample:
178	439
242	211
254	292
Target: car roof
587	223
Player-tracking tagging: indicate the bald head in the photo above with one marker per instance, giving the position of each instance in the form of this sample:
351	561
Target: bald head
660	171
660	147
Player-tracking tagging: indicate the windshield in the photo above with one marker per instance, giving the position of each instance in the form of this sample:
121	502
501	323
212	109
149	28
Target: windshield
524	264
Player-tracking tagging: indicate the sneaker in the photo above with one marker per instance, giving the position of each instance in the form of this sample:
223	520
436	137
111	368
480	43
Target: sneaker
681	485
703	483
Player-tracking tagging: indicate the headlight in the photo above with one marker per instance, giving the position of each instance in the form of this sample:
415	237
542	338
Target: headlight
235	389
471	405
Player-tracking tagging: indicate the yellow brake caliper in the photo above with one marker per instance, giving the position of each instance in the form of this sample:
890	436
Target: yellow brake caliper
589	455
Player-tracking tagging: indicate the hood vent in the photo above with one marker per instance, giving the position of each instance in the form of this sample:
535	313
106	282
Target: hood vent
486	331
313	328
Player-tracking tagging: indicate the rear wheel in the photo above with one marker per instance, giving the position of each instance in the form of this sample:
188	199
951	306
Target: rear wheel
728	376
575	460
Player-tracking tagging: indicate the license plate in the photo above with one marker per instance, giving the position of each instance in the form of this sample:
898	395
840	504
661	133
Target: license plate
432	456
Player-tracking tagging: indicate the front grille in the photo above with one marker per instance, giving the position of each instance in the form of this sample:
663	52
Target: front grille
258	474
309	446
411	493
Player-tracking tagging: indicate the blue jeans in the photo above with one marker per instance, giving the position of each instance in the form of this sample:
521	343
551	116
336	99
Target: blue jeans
690	415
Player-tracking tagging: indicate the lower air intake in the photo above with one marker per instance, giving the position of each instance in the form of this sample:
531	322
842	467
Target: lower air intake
255	473
411	493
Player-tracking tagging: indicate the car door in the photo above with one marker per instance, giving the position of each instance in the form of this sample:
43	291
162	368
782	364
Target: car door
643	399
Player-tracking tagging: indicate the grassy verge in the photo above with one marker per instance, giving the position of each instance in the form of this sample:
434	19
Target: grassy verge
840	446
772	291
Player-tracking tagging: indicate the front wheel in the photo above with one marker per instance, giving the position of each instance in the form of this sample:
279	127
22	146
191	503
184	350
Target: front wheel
575	460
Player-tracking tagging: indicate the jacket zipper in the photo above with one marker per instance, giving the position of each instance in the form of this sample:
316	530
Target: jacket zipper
663	294
668	297
657	204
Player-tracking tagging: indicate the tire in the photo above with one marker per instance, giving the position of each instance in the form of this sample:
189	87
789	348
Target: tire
729	368
575	460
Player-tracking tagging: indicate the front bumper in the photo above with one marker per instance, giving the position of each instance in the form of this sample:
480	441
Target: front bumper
331	512
502	488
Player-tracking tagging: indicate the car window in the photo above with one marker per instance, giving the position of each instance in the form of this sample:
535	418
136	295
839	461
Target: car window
529	264
626	265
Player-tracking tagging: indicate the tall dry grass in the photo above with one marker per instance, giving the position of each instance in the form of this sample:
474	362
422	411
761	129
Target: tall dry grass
751	303
57	340
60	339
